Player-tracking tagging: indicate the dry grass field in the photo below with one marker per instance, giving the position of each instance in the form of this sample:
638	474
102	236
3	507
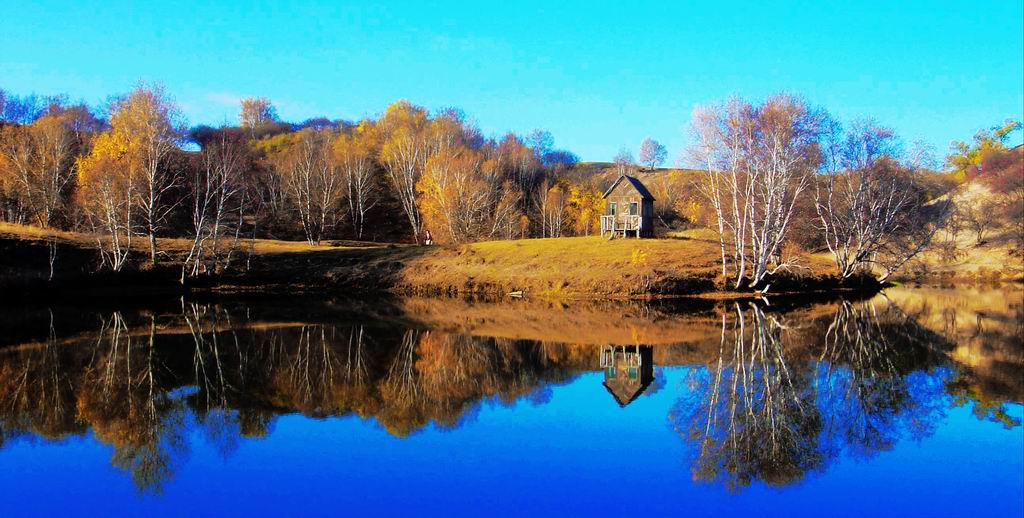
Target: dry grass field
555	268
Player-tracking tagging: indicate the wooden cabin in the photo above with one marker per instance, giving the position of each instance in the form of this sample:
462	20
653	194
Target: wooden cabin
628	209
628	371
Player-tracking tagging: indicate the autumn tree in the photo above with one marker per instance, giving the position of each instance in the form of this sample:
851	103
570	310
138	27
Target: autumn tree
1001	170
652	154
669	187
147	127
37	165
969	160
255	113
469	197
455	195
311	181
584	209
404	153
551	201
106	194
355	154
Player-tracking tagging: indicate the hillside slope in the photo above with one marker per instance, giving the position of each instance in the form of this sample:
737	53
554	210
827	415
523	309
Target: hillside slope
956	253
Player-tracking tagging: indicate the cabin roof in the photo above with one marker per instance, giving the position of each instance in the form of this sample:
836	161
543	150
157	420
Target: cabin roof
637	184
626	393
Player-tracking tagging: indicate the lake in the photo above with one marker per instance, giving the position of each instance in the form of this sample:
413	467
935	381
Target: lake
907	402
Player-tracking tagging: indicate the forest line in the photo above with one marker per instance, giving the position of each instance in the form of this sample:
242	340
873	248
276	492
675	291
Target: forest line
774	178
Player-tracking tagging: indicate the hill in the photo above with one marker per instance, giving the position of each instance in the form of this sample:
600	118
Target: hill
604	173
958	252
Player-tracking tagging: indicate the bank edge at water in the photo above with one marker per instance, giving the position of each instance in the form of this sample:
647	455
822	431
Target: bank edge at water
25	271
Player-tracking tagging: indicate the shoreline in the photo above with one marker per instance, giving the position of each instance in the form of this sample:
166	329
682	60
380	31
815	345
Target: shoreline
579	268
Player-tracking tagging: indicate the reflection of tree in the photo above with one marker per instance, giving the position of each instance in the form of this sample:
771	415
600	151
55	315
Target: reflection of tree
210	379
966	390
873	380
763	410
124	403
659	382
307	375
750	416
777	401
36	395
442	377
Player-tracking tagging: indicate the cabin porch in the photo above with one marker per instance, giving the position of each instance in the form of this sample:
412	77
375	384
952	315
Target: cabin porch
622	225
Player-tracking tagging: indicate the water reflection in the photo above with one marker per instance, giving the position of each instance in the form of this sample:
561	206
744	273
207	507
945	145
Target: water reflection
769	396
628	371
783	398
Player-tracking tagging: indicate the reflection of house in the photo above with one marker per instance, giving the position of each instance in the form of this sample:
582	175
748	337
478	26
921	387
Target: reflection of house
629	209
628	370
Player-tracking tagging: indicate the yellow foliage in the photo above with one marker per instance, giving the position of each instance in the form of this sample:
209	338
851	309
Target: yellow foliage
454	194
108	151
691	210
524	225
142	128
403	114
638	257
271	147
586	205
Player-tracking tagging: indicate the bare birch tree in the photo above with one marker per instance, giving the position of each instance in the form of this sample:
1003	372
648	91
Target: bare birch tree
37	163
518	162
404	154
623	162
506	212
870	205
355	156
312	182
757	161
216	191
652	154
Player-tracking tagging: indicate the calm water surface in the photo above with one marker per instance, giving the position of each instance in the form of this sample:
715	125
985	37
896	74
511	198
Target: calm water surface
905	403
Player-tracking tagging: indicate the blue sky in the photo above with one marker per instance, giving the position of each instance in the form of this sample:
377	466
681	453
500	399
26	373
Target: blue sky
598	75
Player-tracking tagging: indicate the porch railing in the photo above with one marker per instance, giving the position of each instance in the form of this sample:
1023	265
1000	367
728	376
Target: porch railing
616	223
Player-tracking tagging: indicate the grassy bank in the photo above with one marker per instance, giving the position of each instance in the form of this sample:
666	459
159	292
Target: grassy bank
556	268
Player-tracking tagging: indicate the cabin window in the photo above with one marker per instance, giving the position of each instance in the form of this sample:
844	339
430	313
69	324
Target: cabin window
633	208
611	208
633	374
